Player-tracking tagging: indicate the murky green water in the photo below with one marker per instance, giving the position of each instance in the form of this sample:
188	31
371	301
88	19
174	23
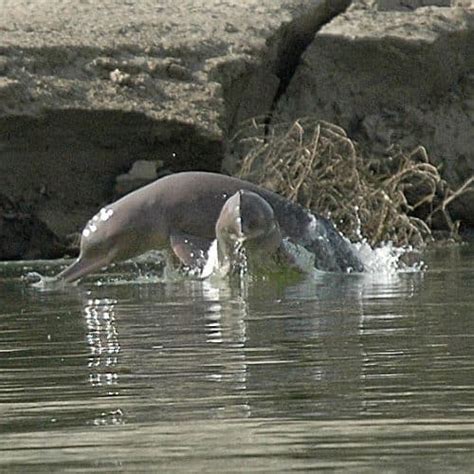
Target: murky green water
352	373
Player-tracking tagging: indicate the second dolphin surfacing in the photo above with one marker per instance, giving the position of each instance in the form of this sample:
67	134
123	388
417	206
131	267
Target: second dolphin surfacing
179	213
247	222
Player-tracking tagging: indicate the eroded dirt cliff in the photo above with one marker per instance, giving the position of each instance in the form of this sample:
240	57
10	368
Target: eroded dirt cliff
88	89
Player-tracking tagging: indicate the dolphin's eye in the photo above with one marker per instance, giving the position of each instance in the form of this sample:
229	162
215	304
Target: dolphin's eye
251	224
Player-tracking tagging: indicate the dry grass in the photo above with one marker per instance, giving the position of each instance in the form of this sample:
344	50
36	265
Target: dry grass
316	164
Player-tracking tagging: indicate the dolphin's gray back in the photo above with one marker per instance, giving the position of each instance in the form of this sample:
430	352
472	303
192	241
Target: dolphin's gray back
192	201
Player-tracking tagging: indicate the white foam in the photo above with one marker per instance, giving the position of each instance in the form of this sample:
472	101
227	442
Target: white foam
386	258
212	261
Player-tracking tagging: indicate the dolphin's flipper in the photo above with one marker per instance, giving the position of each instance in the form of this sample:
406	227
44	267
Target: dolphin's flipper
192	251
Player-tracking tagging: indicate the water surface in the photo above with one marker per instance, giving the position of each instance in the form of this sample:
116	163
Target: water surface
357	373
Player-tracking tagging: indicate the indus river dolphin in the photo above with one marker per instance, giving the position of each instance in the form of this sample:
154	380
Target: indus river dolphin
180	213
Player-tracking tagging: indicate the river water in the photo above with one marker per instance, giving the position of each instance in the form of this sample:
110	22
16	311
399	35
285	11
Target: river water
353	373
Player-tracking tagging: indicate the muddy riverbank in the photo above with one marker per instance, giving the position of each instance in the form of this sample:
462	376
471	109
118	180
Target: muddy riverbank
88	90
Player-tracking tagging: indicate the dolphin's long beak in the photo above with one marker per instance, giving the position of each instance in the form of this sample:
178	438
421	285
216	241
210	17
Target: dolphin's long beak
79	268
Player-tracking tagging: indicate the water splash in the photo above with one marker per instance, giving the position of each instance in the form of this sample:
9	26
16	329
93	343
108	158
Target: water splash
388	259
384	259
156	267
43	282
212	266
212	262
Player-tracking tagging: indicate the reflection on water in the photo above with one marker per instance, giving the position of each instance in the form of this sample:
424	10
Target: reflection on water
351	372
102	338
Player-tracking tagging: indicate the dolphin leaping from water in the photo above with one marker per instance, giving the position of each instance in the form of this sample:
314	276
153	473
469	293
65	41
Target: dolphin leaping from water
184	212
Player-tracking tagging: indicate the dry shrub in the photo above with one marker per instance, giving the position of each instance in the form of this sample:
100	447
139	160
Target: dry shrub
316	164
